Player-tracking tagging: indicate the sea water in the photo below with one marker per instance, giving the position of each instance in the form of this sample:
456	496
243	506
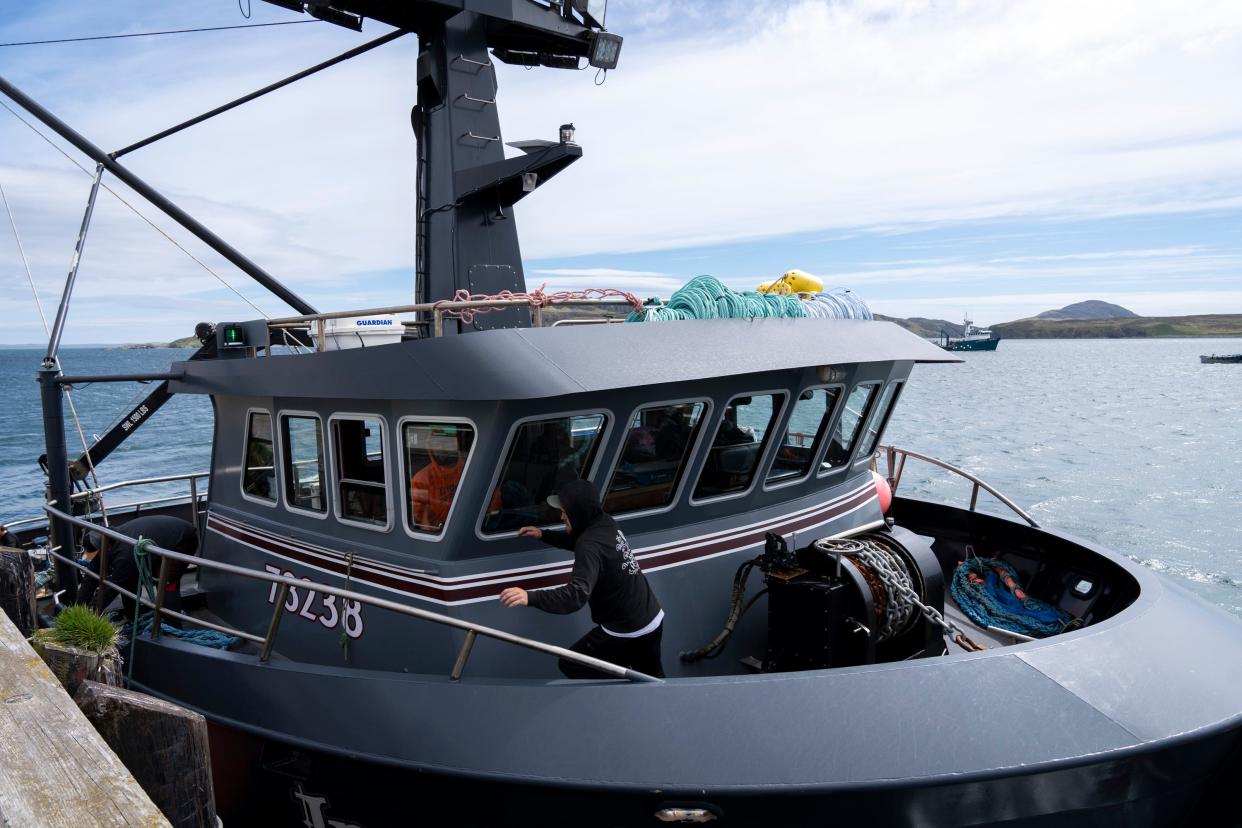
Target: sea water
1132	444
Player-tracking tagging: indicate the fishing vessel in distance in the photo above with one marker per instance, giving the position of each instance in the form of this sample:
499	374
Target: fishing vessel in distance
972	339
816	672
1207	359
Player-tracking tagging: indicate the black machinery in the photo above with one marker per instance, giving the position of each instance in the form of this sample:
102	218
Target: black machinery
842	602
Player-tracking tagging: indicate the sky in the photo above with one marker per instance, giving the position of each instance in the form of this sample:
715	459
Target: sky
938	157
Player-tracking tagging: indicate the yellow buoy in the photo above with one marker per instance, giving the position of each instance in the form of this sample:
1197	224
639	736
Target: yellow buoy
793	281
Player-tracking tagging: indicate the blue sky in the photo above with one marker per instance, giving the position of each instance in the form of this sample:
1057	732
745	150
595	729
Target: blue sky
938	158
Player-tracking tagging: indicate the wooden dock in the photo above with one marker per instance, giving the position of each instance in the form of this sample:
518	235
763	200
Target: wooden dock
56	771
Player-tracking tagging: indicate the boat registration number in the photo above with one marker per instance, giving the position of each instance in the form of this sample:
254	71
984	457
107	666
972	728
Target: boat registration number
310	605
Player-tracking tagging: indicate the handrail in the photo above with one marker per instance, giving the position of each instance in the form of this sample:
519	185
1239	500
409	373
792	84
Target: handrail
896	459
268	641
141	481
438	310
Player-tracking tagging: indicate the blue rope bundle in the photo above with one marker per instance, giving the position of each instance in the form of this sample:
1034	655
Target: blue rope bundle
990	602
201	637
706	297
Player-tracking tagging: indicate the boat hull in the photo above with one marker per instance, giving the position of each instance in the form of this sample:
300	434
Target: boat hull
971	345
1184	784
1130	721
1215	359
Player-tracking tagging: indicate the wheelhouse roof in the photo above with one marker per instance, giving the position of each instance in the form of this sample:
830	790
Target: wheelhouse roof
529	363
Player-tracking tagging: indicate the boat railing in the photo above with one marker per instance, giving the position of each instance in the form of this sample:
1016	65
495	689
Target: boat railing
896	461
93	497
267	641
436	313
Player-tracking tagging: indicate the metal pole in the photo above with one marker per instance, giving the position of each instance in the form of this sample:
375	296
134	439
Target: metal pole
102	555
462	655
358	50
273	626
152	195
194	516
61	530
85	378
58	327
159	600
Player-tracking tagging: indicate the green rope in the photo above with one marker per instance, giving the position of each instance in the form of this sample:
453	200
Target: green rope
706	297
142	562
349	571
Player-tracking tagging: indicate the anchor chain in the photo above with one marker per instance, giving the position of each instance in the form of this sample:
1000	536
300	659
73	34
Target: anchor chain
902	599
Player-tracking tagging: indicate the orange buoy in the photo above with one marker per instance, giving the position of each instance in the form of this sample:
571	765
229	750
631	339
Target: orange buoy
883	491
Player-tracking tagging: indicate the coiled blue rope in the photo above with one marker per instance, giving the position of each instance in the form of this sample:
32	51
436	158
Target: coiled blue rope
988	602
201	637
706	297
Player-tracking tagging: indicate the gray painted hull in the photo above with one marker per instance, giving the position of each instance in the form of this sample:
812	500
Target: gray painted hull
1135	718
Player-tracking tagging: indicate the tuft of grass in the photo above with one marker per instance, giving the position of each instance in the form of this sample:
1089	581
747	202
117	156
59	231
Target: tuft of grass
81	627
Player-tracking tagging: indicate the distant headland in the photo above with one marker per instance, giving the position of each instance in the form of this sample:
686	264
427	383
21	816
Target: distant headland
1092	319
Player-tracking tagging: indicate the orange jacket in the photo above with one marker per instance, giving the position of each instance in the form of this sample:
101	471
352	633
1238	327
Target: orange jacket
431	494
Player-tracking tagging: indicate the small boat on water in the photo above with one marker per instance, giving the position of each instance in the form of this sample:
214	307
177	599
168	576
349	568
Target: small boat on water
972	339
818	671
1219	358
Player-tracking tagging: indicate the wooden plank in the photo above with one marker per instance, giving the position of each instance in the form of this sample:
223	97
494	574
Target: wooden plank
55	770
165	746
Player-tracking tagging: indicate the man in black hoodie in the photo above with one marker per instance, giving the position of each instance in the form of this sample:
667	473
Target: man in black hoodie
629	621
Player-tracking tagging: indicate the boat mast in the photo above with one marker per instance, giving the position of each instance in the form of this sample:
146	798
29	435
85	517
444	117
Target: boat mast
465	233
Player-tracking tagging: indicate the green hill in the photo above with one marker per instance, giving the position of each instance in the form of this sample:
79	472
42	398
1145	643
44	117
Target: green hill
1123	328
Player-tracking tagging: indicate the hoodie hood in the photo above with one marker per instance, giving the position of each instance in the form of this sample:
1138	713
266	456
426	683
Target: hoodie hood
580	501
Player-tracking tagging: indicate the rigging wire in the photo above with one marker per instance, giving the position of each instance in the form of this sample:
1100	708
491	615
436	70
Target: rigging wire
137	212
73	410
154	34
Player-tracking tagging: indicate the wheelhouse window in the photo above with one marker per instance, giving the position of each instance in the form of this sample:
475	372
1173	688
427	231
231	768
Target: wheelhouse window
653	457
738	446
302	441
883	410
846	432
361	482
259	474
543	456
807	424
435	457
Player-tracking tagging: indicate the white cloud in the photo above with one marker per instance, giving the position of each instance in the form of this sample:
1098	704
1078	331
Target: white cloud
759	120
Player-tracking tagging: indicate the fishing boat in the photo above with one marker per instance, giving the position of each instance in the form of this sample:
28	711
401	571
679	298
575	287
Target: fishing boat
816	672
972	339
1219	358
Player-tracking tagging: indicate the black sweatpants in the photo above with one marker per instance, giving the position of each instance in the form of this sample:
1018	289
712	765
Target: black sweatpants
641	654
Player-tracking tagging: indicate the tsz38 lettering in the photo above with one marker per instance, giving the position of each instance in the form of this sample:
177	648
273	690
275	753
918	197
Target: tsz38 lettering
309	605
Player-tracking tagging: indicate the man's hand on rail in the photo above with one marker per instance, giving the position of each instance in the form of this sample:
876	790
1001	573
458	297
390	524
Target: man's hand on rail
530	532
514	596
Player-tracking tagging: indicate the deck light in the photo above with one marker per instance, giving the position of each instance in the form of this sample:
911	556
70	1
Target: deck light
567	133
605	50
